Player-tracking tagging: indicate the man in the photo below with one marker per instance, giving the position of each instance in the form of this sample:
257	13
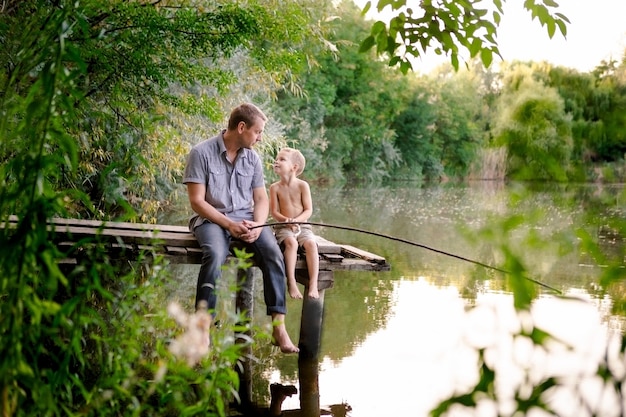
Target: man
226	189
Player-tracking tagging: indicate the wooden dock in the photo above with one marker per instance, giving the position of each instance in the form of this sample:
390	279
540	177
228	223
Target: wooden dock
178	245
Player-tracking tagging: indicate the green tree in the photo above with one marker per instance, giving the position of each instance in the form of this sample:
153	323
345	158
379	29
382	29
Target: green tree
532	124
611	87
438	132
347	103
459	108
415	139
580	100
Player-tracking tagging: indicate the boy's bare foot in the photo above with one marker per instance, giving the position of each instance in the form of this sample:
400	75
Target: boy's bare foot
313	293
280	338
294	292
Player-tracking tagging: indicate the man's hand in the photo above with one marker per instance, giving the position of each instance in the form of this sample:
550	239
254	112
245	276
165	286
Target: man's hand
239	231
251	235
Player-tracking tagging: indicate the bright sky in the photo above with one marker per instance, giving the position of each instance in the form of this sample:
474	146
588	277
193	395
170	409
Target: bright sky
597	32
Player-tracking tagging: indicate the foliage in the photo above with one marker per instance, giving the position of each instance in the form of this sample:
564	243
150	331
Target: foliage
612	146
414	127
459	110
533	126
84	86
139	63
348	102
449	28
595	102
351	121
347	131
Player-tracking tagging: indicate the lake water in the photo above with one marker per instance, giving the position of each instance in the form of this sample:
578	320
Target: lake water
396	343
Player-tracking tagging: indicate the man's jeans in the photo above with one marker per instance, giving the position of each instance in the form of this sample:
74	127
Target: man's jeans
215	243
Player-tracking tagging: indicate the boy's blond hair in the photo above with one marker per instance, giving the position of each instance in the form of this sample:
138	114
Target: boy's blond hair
296	158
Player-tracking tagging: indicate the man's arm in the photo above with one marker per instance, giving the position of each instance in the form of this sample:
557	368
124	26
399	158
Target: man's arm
275	206
261	211
261	204
196	193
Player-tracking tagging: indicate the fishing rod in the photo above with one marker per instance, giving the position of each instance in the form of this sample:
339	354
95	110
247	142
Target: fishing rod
408	242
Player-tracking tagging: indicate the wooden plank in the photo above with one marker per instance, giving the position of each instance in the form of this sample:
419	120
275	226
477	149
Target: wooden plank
326	246
176	250
347	264
359	253
129	236
332	257
99	224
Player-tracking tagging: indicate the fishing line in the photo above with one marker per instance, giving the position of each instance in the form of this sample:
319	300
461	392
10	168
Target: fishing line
408	242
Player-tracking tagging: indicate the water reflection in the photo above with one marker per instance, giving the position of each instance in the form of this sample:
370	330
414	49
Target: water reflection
395	343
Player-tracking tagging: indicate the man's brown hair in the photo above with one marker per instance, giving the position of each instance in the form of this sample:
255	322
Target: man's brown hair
247	113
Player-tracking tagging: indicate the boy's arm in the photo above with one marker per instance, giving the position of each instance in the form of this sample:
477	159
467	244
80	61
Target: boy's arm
307	203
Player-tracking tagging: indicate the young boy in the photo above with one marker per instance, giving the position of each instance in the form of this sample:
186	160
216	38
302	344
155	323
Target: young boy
290	201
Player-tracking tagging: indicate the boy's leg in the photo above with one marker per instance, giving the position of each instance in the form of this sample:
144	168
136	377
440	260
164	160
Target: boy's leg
291	256
313	266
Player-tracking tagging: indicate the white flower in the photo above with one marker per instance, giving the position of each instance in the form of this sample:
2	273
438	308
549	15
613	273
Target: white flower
194	343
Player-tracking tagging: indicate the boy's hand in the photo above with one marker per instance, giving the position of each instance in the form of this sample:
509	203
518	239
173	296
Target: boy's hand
294	227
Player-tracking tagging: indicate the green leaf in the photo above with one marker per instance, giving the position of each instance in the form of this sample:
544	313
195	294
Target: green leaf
562	27
454	58
384	3
367	44
550	3
405	66
562	17
486	56
378	27
481	12
497	18
381	42
366	8
551	28
475	46
446	41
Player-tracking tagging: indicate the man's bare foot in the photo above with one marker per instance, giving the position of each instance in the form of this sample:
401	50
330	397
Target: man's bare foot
294	292
280	338
313	293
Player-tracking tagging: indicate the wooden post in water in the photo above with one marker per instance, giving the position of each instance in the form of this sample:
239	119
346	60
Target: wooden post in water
310	342
245	303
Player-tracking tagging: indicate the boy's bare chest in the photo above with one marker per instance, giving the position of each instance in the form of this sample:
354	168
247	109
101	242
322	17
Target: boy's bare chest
290	195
